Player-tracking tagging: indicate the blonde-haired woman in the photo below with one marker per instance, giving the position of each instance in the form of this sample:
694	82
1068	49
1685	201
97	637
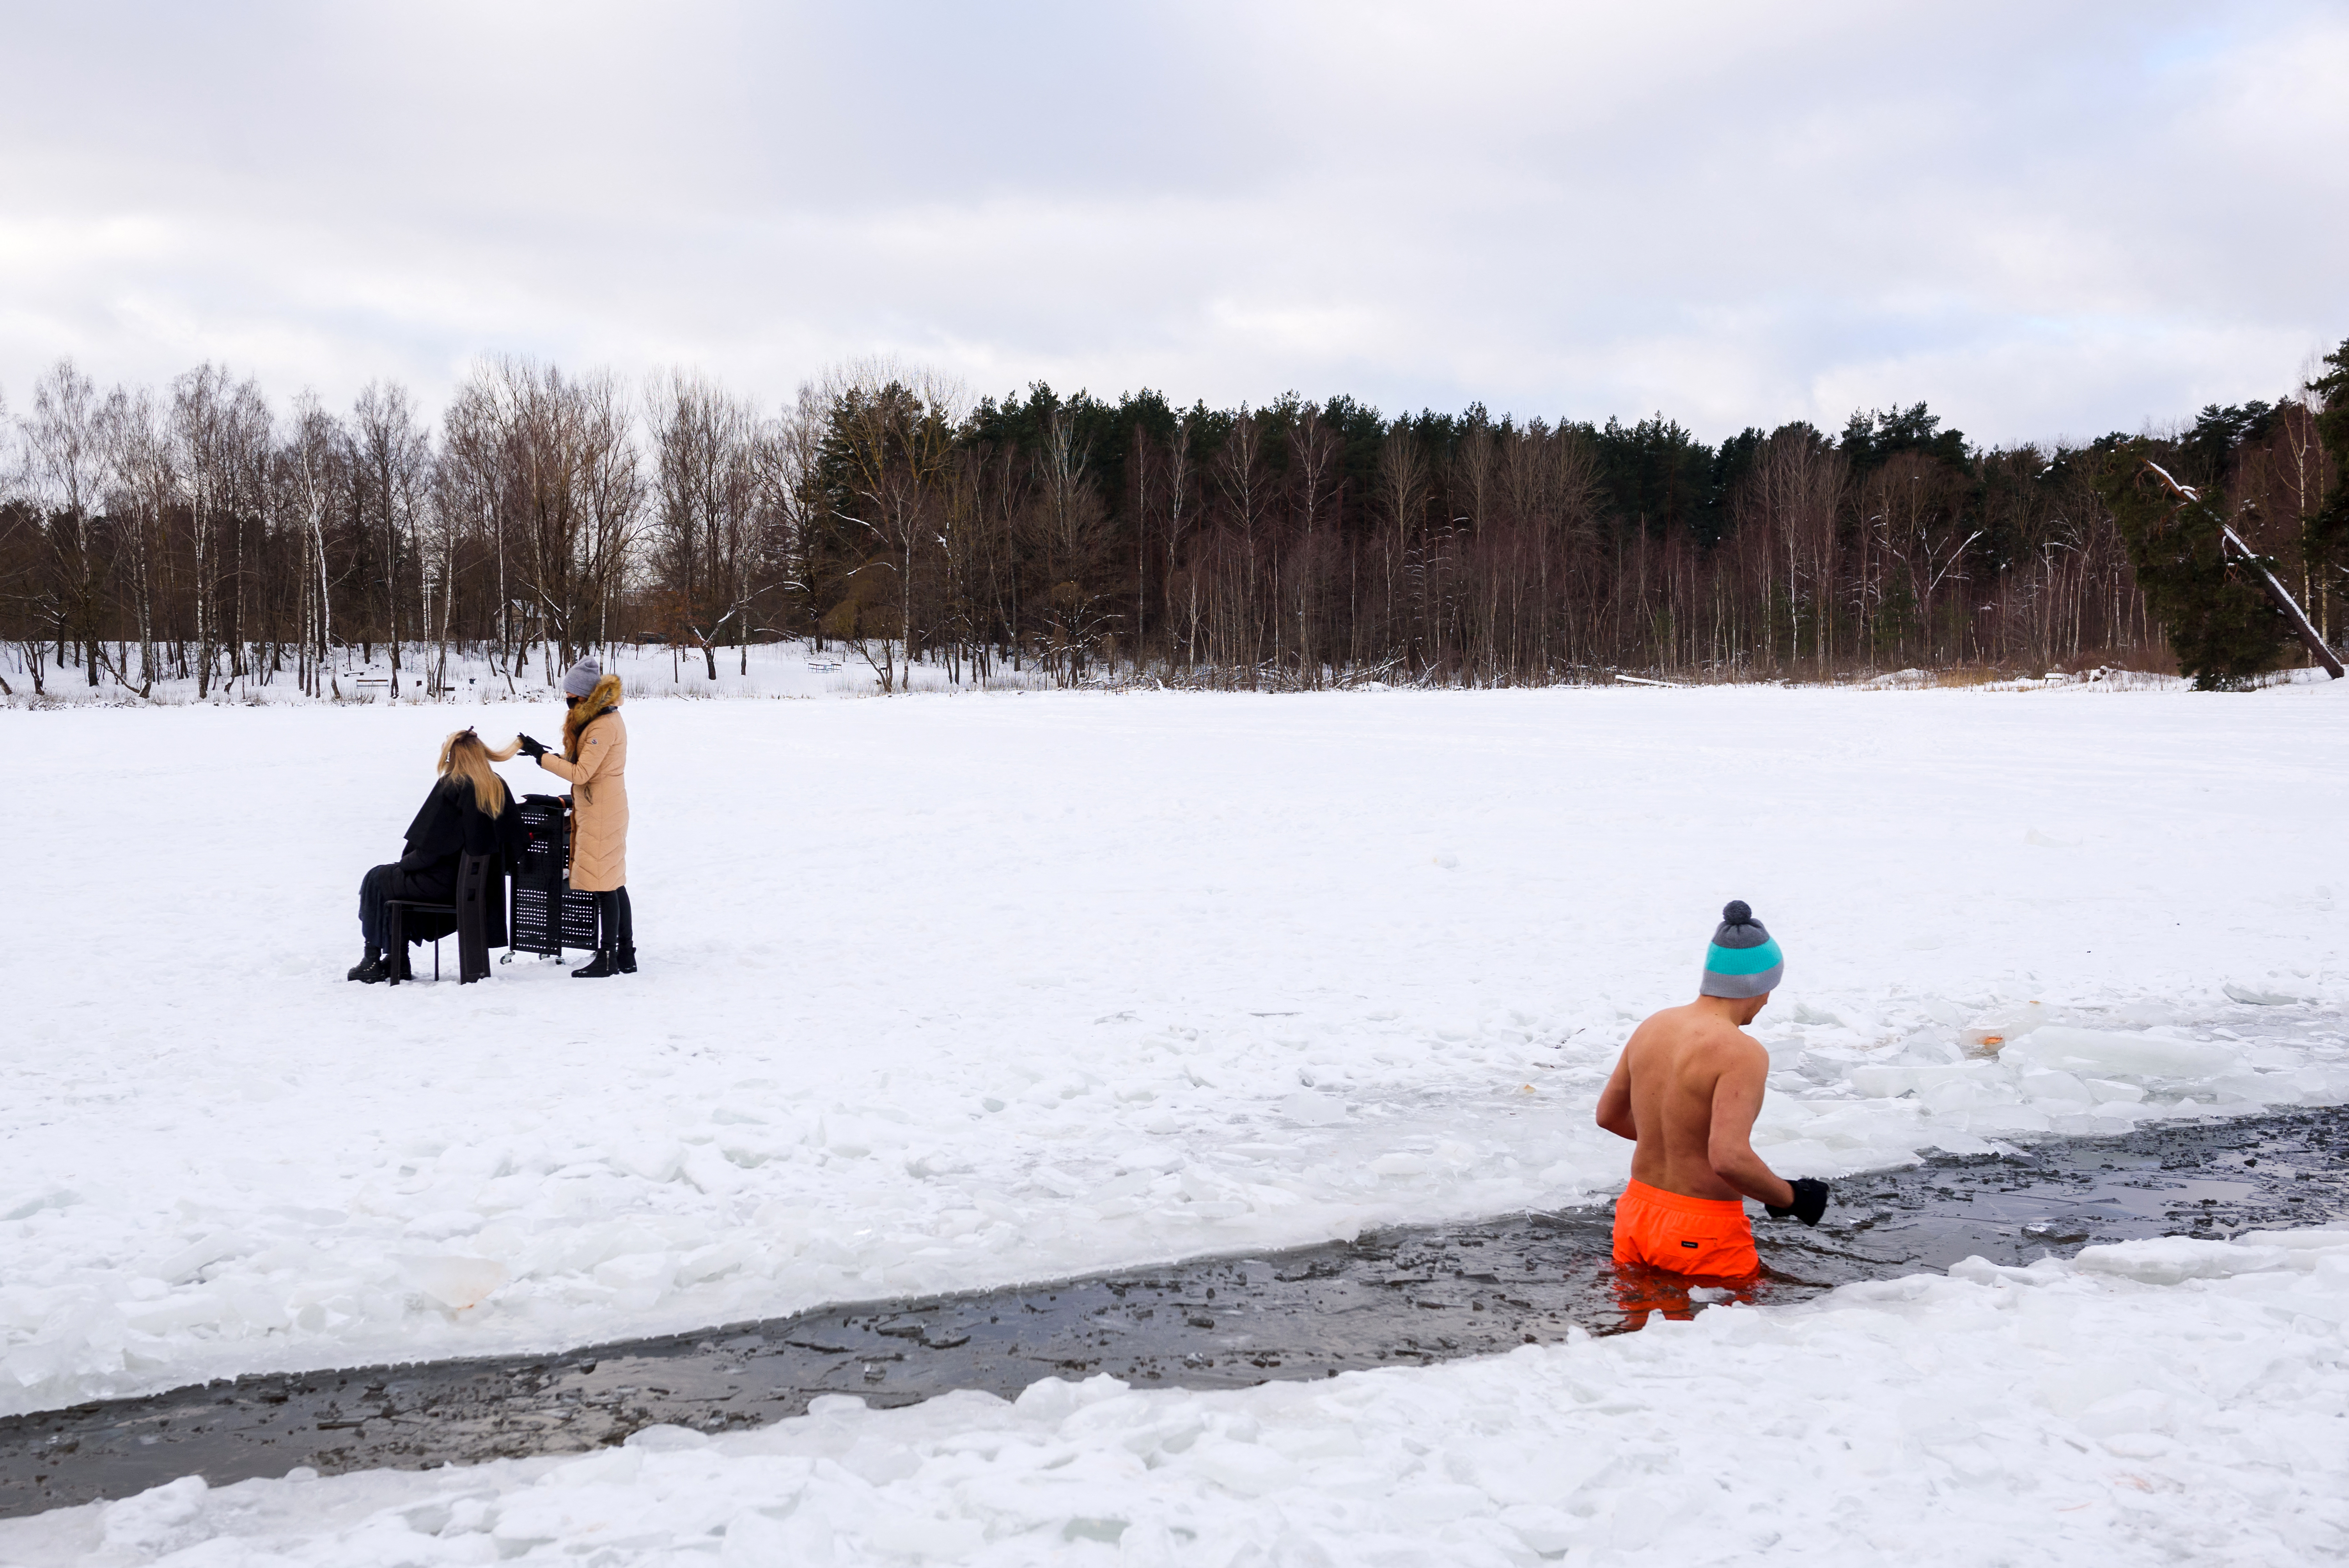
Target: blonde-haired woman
595	762
469	813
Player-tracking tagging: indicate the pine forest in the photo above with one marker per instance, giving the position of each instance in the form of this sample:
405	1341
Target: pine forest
202	531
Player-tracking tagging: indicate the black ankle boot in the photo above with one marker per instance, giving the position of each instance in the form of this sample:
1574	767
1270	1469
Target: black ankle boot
370	970
603	968
625	959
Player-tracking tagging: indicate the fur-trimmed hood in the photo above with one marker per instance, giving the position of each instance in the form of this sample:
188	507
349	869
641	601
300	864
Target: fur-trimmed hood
586	711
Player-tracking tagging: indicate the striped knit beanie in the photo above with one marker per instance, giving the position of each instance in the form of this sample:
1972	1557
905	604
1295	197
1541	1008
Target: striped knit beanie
1744	960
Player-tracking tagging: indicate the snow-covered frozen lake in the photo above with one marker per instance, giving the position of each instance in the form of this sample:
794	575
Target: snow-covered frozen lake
946	992
2155	1402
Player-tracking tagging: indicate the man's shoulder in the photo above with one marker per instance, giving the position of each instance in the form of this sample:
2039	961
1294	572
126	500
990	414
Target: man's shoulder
1645	1035
1692	1032
1714	1037
1735	1045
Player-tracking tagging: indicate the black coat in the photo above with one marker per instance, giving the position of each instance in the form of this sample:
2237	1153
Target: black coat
447	825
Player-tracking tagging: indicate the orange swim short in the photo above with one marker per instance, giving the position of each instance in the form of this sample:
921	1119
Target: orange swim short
1709	1236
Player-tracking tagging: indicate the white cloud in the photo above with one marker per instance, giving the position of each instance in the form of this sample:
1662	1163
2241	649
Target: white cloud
2041	220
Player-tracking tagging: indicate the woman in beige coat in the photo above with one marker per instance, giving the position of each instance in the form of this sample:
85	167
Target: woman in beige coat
595	762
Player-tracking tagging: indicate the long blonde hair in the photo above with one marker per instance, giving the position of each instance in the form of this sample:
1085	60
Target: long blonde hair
467	756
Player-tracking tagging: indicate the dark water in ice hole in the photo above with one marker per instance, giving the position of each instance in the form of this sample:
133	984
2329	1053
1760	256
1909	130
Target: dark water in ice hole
1398	1297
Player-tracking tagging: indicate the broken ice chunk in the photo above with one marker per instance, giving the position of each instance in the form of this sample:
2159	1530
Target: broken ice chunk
2254	994
1309	1110
2107	1052
2001	1025
456	1283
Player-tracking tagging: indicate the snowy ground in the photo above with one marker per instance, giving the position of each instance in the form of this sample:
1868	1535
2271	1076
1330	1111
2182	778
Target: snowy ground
947	992
765	670
2156	1402
792	670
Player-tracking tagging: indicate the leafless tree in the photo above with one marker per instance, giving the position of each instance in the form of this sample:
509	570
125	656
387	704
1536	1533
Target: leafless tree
1797	489
64	460
708	495
891	429
220	430
391	464
554	457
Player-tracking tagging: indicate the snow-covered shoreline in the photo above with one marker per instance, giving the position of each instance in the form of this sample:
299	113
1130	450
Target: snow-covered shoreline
2150	1402
798	670
776	670
941	995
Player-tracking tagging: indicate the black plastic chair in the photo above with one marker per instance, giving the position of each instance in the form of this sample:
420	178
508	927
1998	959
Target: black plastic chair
471	912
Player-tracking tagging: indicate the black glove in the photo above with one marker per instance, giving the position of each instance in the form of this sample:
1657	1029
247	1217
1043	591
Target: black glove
529	749
1810	1202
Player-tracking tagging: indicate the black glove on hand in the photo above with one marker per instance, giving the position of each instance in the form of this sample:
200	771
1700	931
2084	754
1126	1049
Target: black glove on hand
529	749
1810	1202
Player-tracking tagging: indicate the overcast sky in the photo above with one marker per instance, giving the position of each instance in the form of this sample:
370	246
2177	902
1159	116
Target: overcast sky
2045	219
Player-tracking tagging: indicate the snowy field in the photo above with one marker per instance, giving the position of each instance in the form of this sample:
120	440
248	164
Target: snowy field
2157	1402
792	670
777	669
952	991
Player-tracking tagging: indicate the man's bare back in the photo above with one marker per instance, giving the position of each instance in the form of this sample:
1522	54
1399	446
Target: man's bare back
1686	1090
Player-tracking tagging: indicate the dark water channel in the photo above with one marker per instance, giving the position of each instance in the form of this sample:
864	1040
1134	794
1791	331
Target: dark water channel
1397	1298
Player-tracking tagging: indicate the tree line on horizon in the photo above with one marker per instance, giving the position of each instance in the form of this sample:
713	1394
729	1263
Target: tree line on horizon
197	533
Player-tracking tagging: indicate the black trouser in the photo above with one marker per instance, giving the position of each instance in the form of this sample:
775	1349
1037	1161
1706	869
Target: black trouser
437	882
615	920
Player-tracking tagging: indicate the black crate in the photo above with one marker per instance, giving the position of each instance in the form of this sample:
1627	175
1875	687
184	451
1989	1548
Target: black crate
543	856
534	922
547	914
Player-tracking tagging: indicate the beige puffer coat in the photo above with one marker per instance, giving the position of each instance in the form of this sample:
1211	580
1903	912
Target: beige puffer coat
599	792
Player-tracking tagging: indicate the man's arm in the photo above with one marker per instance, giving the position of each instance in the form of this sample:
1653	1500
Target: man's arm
1736	1101
1615	1100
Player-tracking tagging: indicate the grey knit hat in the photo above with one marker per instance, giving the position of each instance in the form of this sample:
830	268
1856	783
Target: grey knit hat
1744	960
582	677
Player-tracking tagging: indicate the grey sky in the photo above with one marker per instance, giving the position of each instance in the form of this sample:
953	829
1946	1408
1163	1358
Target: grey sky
2045	219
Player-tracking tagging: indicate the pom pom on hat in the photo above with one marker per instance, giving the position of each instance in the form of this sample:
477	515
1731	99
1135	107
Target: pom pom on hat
1744	960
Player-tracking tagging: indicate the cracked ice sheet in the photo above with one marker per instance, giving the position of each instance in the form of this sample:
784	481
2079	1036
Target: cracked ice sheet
2150	1402
948	993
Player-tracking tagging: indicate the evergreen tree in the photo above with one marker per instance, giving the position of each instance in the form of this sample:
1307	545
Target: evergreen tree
2326	540
1870	440
1656	476
2221	624
2209	446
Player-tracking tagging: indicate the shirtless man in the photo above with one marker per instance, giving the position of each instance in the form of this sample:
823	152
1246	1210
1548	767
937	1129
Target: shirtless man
1686	1091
